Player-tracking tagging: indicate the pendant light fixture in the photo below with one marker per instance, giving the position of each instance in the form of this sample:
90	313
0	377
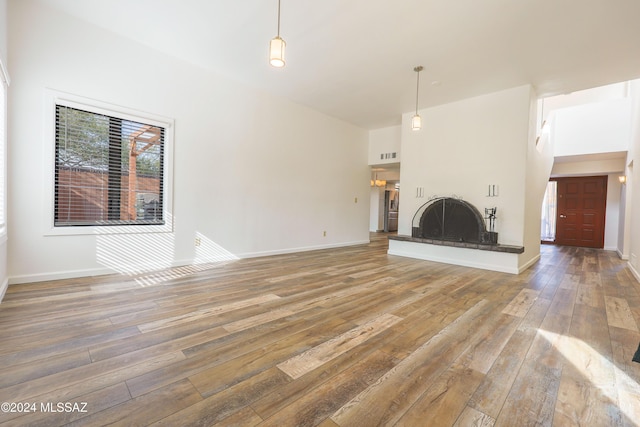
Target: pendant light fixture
416	120
276	47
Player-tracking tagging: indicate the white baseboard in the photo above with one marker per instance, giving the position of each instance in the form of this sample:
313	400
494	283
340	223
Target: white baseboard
59	275
622	256
302	249
529	264
3	289
635	272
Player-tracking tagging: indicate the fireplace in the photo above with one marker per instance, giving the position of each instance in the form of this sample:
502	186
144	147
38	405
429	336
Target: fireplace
450	230
452	219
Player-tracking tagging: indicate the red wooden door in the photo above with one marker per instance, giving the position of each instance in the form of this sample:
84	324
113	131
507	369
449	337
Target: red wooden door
581	211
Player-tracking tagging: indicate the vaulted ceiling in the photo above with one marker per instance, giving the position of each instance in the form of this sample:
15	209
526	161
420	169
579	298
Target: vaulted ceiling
354	59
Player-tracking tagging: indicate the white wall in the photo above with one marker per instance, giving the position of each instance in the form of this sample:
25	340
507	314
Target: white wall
612	215
593	128
3	31
4	278
376	209
382	142
626	214
538	169
594	95
622	243
461	149
633	183
254	173
589	167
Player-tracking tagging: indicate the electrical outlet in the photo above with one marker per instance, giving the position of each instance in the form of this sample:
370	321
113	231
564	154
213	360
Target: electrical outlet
198	241
324	234
356	200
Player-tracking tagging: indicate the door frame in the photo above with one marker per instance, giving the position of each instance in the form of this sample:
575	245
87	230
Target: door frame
601	219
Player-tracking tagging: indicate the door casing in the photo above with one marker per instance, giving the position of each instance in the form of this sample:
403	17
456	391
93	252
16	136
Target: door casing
581	211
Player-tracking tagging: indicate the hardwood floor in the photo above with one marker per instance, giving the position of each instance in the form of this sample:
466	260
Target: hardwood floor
340	337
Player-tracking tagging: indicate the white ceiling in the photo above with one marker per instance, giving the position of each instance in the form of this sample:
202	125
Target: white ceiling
354	59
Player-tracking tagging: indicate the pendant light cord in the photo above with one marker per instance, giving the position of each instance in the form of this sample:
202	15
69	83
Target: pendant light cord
417	70
278	18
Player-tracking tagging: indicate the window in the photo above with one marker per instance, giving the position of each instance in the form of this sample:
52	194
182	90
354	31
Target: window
110	168
548	220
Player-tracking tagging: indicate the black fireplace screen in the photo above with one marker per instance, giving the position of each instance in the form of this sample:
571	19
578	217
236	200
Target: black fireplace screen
451	219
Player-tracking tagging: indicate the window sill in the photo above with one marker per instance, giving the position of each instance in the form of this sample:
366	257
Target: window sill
106	230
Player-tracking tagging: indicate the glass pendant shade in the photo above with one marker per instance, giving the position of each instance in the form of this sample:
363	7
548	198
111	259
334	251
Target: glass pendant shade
416	122
276	52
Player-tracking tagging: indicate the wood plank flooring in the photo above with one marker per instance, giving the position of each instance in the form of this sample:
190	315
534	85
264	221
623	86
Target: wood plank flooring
340	337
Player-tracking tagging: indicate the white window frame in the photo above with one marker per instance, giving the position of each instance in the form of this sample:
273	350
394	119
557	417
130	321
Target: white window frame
53	98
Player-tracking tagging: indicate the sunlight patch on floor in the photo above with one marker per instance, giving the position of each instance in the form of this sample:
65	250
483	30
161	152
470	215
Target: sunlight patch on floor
150	257
600	372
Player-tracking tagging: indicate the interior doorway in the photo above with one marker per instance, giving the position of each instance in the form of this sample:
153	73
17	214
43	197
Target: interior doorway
391	199
385	198
579	212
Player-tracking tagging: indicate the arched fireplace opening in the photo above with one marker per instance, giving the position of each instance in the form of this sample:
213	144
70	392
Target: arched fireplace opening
451	219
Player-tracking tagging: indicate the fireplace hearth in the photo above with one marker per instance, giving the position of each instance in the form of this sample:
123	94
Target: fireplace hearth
450	230
452	220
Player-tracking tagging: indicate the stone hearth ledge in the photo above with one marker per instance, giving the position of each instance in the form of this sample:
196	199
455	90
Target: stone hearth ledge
480	246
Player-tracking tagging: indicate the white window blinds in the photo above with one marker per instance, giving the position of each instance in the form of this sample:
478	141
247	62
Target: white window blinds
108	170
